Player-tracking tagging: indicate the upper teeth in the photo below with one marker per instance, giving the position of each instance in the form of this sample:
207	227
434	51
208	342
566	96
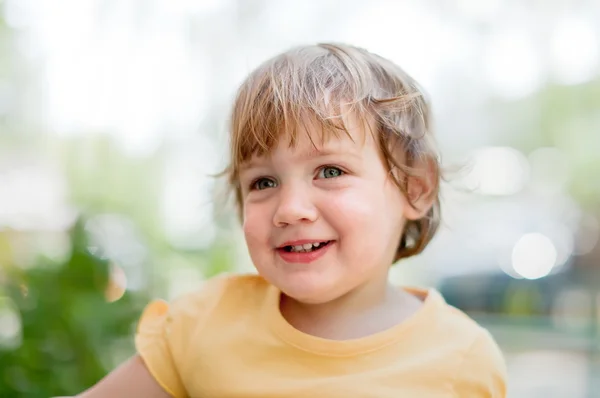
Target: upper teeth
306	246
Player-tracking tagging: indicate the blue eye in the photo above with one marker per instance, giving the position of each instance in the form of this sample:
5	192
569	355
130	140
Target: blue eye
263	183
330	172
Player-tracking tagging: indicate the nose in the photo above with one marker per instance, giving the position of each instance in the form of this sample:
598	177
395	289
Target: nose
294	206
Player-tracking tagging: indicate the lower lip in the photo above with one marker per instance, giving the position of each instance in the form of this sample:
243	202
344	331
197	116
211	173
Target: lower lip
304	258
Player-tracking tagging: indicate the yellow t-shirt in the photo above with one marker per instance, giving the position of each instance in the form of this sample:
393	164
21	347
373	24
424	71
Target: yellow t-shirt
230	340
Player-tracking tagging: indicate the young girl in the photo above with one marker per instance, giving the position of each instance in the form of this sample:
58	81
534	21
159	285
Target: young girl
336	178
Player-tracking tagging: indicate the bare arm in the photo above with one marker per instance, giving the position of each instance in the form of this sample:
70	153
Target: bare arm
131	379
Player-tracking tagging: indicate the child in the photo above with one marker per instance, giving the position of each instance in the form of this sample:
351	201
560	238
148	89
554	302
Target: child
336	178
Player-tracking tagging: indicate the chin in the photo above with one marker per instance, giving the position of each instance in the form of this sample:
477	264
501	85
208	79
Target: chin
307	286
314	295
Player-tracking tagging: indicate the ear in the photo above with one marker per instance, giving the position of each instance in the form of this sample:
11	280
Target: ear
421	189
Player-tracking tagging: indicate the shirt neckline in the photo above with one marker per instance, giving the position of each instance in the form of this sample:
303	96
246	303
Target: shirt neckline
432	300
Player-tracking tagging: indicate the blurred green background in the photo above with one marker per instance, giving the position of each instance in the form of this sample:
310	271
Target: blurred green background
113	117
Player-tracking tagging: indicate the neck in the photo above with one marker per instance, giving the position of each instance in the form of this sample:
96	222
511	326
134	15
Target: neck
362	311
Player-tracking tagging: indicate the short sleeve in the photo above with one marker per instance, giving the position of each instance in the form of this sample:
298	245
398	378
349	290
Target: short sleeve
482	373
154	343
164	334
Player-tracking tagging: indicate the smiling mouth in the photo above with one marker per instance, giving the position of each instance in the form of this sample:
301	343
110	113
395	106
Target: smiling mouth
306	248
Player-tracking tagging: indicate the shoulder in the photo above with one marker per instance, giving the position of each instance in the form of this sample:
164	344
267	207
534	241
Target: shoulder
217	292
481	370
191	310
167	331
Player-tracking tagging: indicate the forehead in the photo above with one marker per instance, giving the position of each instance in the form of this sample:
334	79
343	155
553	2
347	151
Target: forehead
347	130
312	137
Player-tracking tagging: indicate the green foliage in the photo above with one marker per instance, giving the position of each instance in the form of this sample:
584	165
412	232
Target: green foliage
71	336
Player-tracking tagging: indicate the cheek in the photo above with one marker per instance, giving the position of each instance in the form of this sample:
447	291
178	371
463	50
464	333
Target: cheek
394	202
254	222
371	203
356	210
367	217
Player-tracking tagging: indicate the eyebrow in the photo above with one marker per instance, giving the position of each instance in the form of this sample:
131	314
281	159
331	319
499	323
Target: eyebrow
310	154
316	153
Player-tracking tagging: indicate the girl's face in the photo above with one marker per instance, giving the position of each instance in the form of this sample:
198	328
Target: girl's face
322	222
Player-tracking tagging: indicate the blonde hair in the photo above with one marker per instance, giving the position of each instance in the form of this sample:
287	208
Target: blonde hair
320	81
